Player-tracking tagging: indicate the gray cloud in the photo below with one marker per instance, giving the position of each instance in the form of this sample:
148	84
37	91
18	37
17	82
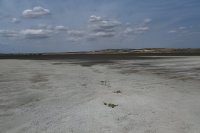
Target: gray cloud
35	12
9	33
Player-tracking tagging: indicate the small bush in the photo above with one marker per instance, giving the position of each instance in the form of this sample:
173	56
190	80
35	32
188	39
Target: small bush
110	105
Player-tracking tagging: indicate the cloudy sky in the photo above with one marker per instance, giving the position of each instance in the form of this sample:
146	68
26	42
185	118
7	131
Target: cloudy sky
78	25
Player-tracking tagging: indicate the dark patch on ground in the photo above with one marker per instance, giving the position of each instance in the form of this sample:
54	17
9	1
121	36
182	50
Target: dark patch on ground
39	78
84	85
92	63
85	63
157	70
23	100
197	68
59	63
129	71
27	100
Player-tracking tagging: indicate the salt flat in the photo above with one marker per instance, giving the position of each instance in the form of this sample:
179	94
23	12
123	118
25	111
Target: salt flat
157	95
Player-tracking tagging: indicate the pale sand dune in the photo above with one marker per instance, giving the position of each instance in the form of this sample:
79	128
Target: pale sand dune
157	96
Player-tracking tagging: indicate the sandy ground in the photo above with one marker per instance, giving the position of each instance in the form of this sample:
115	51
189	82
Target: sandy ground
156	95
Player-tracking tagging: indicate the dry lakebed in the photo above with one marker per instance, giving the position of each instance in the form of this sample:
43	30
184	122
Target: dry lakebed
149	95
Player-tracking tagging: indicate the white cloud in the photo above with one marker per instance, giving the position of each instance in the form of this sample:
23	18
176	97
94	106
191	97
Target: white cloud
35	33
15	20
102	27
75	35
147	20
172	31
128	30
98	27
26	34
38	32
103	34
136	30
57	28
44	27
182	28
61	28
109	24
141	29
95	19
103	23
35	12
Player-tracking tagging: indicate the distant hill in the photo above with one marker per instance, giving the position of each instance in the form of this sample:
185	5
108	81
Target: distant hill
149	50
107	53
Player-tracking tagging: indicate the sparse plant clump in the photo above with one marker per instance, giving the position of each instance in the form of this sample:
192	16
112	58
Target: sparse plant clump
105	83
110	105
118	91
